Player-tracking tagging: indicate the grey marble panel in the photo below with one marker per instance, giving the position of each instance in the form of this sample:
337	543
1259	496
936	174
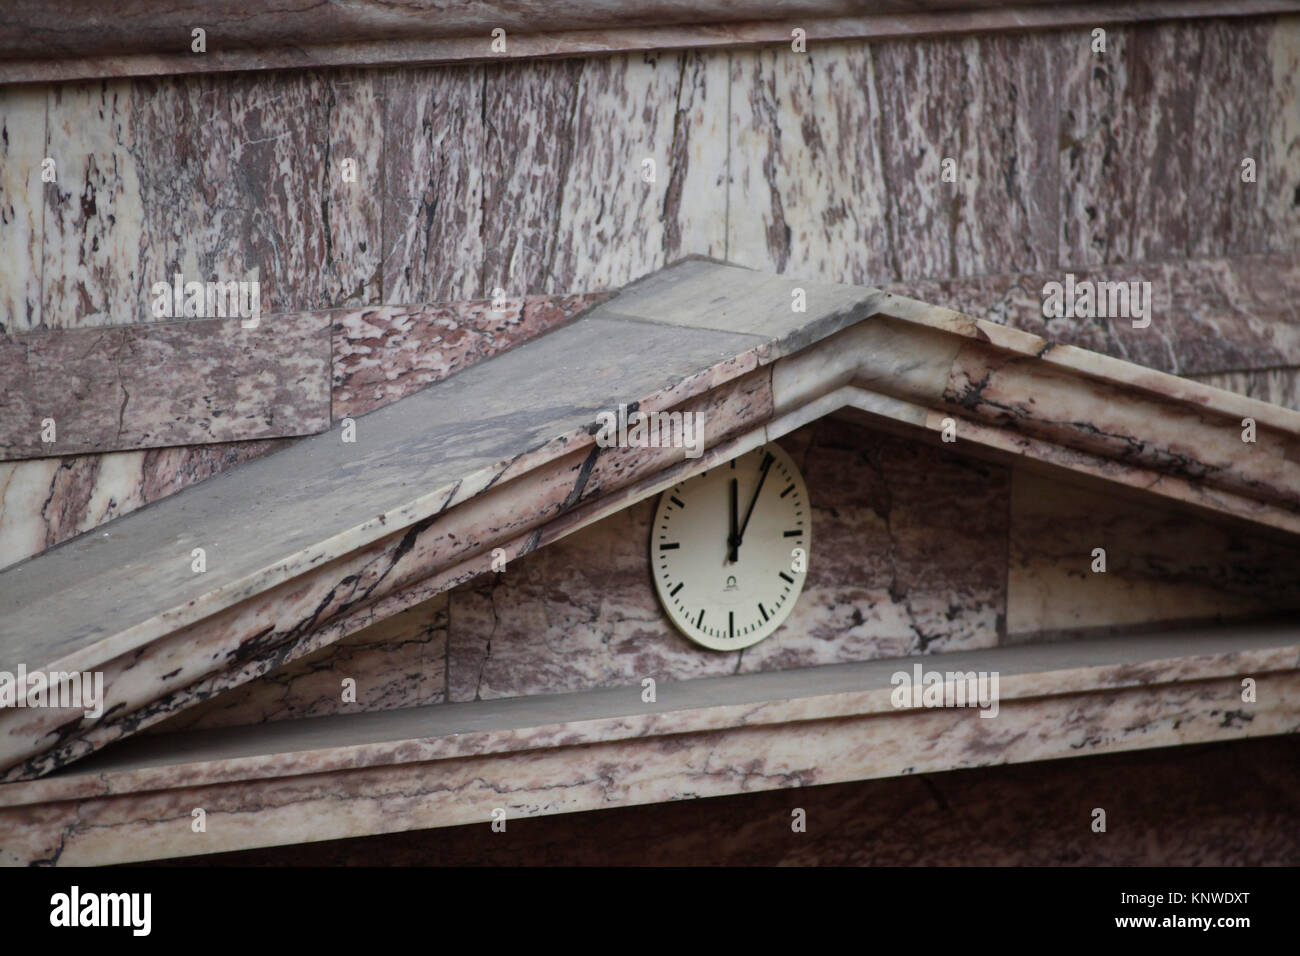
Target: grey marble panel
1154	132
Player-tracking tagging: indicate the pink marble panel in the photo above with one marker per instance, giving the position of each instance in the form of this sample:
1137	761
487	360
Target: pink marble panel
384	353
909	556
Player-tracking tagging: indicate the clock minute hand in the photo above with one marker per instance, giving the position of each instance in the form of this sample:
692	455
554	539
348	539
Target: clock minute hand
767	463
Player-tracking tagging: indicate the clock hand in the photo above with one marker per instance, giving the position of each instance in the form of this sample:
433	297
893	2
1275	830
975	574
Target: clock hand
767	463
733	537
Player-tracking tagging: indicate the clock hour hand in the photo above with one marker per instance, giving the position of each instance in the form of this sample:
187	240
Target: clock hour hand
733	536
762	477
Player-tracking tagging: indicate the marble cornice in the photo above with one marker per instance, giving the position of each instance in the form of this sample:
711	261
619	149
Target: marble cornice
1019	394
451	764
148	38
317	540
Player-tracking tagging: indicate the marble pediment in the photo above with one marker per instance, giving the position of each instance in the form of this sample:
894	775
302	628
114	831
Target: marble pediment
340	530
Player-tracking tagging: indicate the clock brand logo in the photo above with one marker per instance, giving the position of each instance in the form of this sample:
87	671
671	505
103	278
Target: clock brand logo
951	689
637	429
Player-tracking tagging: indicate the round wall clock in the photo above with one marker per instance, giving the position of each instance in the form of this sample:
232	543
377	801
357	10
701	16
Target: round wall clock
729	549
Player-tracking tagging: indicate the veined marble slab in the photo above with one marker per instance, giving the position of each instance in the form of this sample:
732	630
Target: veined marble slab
326	529
451	764
1136	188
235	178
1060	157
817	171
176	383
549	177
22	211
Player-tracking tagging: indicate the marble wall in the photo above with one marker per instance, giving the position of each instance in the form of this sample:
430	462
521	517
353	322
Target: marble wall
556	181
531	177
1161	565
526	176
1065	159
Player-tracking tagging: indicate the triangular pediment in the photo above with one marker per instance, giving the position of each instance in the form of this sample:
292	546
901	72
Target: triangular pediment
341	530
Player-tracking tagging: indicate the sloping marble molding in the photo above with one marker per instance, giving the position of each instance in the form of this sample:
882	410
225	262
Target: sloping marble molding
455	764
315	541
150	37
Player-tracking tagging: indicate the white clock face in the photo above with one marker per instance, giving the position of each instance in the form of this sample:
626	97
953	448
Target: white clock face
729	549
